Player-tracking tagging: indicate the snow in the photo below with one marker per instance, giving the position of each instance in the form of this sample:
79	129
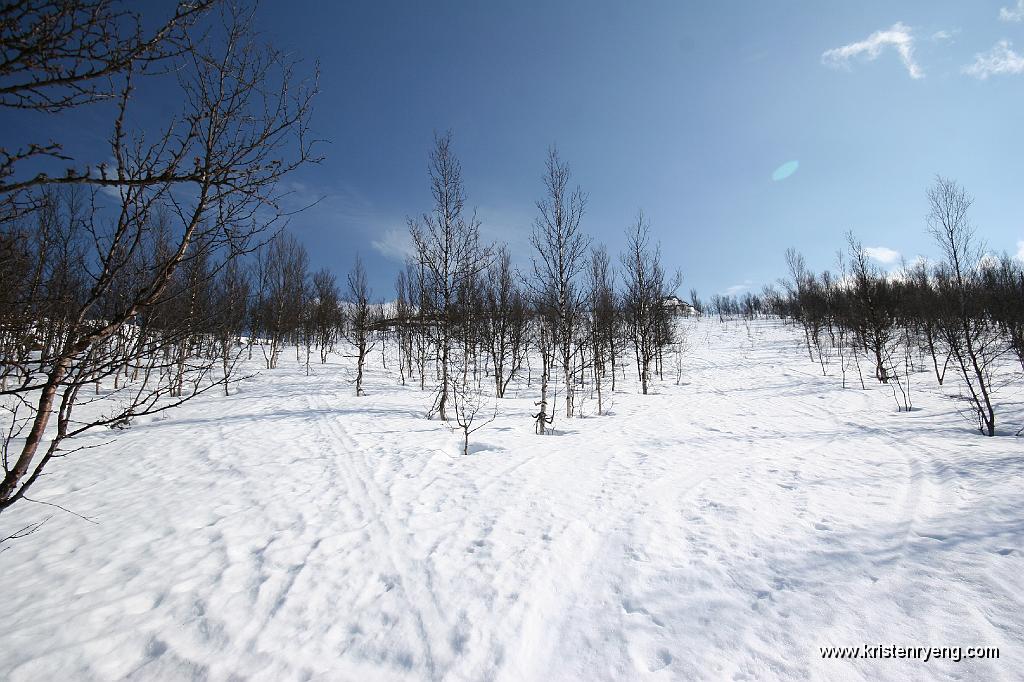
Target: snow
725	528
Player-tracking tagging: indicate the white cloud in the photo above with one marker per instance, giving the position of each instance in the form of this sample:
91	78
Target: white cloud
882	254
114	191
1020	251
109	171
941	36
1012	13
737	288
898	35
1001	59
394	244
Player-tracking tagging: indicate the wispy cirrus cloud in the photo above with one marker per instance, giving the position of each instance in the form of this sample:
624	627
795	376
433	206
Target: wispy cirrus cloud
499	225
999	61
898	36
1012	13
882	254
944	35
395	244
738	288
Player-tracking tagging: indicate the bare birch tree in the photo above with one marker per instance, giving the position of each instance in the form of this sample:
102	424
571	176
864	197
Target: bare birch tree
643	298
206	183
449	249
560	248
360	320
601	299
326	315
973	340
506	321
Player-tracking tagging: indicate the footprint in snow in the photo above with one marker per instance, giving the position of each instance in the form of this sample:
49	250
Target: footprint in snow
156	648
662	659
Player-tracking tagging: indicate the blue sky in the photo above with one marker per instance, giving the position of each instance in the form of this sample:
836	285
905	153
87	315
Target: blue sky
683	109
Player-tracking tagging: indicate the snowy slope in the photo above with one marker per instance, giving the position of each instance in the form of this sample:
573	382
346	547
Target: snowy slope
723	529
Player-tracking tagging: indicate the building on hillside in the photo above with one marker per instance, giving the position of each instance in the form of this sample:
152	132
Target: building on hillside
678	307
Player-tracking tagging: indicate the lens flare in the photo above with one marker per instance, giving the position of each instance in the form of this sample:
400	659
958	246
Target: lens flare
785	170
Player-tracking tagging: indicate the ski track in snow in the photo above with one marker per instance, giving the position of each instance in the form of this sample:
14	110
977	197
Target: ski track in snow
723	529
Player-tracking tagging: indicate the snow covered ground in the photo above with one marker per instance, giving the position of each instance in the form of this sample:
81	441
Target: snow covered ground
722	529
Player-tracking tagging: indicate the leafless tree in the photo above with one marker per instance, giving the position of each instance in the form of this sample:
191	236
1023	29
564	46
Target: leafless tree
326	314
545	316
695	301
601	300
840	313
1005	285
404	317
449	249
720	306
421	297
796	286
203	187
973	340
874	309
472	325
643	297
560	249
361	320
472	409
231	307
506	321
59	55
680	347
925	303
282	272
966	309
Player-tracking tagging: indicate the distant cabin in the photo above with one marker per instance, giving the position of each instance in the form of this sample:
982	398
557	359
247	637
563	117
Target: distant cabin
677	306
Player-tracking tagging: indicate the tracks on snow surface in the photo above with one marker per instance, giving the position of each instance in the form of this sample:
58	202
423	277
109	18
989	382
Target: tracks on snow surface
723	529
